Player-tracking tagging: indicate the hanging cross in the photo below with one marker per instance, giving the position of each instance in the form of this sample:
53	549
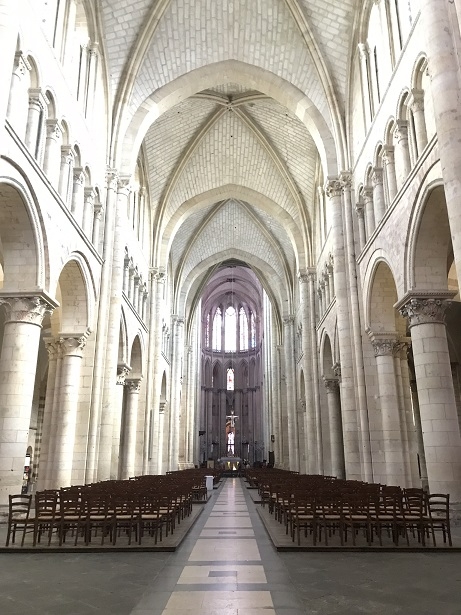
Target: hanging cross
232	418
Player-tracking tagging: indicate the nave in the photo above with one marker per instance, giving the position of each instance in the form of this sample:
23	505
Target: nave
228	566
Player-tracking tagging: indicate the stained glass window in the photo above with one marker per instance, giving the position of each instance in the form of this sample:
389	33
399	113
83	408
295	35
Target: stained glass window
252	330
207	331
243	325
230	379
217	322
230	331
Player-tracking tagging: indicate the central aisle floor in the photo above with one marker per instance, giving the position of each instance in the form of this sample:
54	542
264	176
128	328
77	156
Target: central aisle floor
227	566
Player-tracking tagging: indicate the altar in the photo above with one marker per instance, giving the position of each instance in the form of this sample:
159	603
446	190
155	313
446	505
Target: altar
230	464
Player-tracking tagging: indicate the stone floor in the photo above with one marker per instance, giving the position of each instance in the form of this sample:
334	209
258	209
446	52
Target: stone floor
228	566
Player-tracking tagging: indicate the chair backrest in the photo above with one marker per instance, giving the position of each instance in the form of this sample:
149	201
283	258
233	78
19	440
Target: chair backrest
46	502
19	505
439	505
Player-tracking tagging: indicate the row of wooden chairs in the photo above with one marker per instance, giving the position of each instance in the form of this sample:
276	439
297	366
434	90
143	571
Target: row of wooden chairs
332	508
148	504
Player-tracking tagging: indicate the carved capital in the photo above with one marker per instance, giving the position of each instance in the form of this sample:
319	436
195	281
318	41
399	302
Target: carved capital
122	372
359	211
53	130
52	348
302	405
89	194
79	176
333	187
133	385
416	100
383	347
124	185
367	194
331	385
111	179
29	310
288	320
336	367
21	64
345	177
401	130
421	311
303	277
377	176
72	345
388	154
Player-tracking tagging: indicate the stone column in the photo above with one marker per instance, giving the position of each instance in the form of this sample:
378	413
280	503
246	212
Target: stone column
18	100
364	73
157	282
78	193
47	448
66	173
443	65
416	104
122	372
308	312
331	278
378	194
326	282
361	225
356	329
389	166
93	51
291	396
8	38
319	295
384	349
101	332
316	460
88	212
419	435
133	386
135	298
439	420
176	379
367	195
403	164
406	414
336	428
18	363
71	351
349	407
98	214
131	274
37	105
113	315
51	160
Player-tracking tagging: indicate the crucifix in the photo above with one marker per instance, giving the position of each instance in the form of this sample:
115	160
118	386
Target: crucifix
232	418
230	432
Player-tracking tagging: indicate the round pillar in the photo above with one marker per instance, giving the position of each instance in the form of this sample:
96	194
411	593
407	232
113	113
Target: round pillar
439	418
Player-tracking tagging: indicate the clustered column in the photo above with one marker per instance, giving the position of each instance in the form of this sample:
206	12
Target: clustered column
18	361
336	428
128	458
439	418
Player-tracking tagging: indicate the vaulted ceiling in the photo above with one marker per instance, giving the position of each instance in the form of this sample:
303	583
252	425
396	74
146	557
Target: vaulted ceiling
233	102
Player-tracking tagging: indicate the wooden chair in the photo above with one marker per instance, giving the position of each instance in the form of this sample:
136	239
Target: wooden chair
71	515
438	506
46	518
150	517
19	519
303	516
97	516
